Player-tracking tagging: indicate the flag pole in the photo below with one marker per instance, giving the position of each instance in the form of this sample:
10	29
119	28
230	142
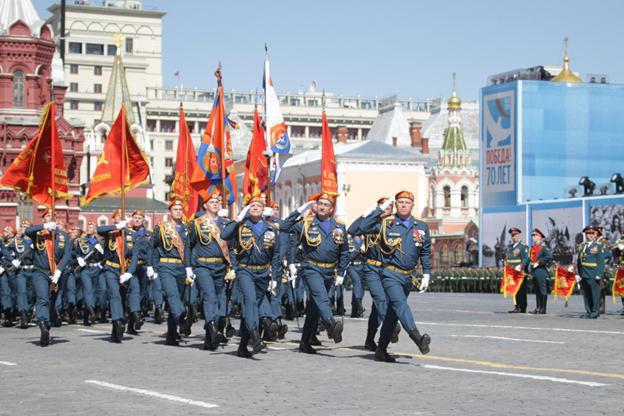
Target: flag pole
53	286
222	138
124	155
268	155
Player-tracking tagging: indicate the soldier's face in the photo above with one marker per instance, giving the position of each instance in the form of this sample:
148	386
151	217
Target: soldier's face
590	236
47	217
137	220
255	209
324	207
73	234
6	233
176	212
212	205
516	238
404	206
536	238
91	229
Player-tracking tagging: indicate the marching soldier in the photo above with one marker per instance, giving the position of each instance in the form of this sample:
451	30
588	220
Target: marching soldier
325	259
590	266
404	242
23	281
137	286
257	267
172	259
211	260
89	257
607	257
8	275
517	256
355	269
540	258
52	253
119	265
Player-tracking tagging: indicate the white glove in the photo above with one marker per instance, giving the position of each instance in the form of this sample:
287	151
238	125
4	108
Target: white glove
223	213
149	271
267	153
56	276
386	204
125	277
81	262
49	226
1	269
519	268
16	263
153	277
424	283
272	286
369	211
578	278
339	280
267	212
189	273
230	276
598	277
292	272
121	224
303	208
99	249
620	246
571	268
241	215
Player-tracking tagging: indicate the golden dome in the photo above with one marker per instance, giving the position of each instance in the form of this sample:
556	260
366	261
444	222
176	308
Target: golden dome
566	75
454	103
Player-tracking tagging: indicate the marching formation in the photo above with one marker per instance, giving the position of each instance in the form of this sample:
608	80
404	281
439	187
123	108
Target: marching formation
256	267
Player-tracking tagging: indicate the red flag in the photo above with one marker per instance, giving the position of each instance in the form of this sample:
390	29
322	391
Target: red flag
185	165
618	284
115	159
564	283
31	171
215	159
329	178
256	166
511	282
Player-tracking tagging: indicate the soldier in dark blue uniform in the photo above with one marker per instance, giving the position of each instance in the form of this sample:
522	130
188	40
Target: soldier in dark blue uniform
23	282
52	253
119	265
517	256
354	271
404	242
590	265
89	260
325	259
540	258
211	261
257	266
137	288
8	276
172	258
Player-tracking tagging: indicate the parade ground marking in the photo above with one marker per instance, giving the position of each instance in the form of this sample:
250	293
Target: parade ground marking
7	363
529	328
537	341
91	331
518	375
152	394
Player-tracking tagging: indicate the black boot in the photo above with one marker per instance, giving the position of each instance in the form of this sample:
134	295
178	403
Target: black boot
185	325
8	318
117	331
102	318
256	343
221	338
242	346
300	309
138	320
73	310
210	339
192	314
395	333
282	329
23	320
369	344
229	330
158	315
381	353
515	310
305	346
171	339
422	341
543	308
289	312
313	340
131	324
44	339
88	317
269	330
334	330
538	304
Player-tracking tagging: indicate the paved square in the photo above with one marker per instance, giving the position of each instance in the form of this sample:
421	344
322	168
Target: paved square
482	361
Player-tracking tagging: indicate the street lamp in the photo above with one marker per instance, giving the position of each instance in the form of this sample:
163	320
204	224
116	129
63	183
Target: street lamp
588	185
617	179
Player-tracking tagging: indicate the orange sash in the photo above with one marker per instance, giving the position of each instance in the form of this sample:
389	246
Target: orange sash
48	238
213	228
172	232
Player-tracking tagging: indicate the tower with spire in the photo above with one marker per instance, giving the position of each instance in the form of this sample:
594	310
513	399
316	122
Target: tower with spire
454	153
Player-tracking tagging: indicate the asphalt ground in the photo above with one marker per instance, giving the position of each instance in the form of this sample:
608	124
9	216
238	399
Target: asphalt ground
483	361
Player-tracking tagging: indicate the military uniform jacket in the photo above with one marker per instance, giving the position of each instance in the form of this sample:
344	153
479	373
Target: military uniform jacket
62	248
254	245
143	245
206	242
85	245
517	254
402	244
591	260
371	242
17	248
112	237
316	244
171	241
542	258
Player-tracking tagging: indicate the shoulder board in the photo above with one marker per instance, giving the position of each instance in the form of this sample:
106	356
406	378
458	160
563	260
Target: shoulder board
340	222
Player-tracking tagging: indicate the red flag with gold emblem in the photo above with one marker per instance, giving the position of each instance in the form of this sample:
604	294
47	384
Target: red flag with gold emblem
256	165
511	282
329	177
115	159
185	164
31	171
618	284
564	283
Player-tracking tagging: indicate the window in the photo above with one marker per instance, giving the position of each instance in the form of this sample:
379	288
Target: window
75	47
168	144
73	86
73	105
73	68
111	50
97	105
95	49
464	197
129	45
447	196
18	89
97	70
168	162
167	126
459	254
97	88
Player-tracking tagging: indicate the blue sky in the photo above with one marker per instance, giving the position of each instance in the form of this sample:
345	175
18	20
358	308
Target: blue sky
379	48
